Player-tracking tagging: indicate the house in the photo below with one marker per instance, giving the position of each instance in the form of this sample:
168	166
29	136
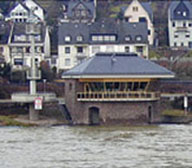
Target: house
114	88
140	12
180	24
20	42
21	11
78	11
78	41
5	29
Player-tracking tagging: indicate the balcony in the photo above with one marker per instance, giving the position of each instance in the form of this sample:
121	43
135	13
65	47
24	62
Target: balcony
118	96
81	55
182	29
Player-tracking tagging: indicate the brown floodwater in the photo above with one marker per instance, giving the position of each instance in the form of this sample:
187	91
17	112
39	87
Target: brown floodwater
96	147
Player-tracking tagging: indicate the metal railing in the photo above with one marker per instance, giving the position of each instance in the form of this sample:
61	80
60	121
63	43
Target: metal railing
118	96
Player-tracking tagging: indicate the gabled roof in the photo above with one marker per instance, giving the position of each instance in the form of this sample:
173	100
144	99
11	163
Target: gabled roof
118	65
72	4
180	6
120	29
145	5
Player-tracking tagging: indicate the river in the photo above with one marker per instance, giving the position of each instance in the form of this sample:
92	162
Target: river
96	147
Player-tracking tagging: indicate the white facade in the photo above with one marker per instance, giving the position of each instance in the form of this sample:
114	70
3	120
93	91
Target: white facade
18	14
21	12
134	12
71	55
38	10
180	33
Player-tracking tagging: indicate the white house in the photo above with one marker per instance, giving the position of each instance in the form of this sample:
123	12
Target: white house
20	12
140	12
79	41
20	45
180	24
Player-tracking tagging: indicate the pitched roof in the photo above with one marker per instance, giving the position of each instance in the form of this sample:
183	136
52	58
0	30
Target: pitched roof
72	4
183	5
145	5
20	29
117	65
120	29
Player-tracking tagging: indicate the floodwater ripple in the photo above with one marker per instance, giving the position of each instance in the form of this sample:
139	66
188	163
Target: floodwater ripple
96	147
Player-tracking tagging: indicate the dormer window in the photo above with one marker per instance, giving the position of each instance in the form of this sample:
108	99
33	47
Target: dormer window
79	38
138	38
184	14
128	38
67	38
178	12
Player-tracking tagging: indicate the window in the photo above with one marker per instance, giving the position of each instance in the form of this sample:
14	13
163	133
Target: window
67	62
149	32
184	13
138	38
135	9
142	19
182	44
184	24
175	44
128	38
18	61
67	38
139	49
127	49
101	38
173	24
190	24
79	38
67	50
187	35
190	44
176	36
110	48
79	49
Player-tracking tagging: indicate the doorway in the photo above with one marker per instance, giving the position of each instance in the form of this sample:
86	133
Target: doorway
94	116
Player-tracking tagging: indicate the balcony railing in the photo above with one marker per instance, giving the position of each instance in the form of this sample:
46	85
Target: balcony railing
118	96
182	29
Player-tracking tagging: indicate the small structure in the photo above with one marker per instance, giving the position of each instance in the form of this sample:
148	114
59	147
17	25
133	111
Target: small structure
114	88
180	24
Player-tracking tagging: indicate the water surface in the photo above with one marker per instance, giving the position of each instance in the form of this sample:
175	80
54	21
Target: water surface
96	147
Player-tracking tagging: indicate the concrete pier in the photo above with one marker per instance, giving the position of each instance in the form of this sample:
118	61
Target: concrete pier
33	114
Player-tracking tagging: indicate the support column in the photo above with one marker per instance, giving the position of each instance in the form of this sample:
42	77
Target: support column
33	114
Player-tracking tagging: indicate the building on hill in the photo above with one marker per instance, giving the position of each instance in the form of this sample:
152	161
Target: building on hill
78	11
20	11
20	42
180	24
119	88
78	41
140	12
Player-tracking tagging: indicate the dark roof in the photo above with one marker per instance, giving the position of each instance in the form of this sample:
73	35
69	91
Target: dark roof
71	4
145	5
20	29
117	64
177	8
4	32
120	29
